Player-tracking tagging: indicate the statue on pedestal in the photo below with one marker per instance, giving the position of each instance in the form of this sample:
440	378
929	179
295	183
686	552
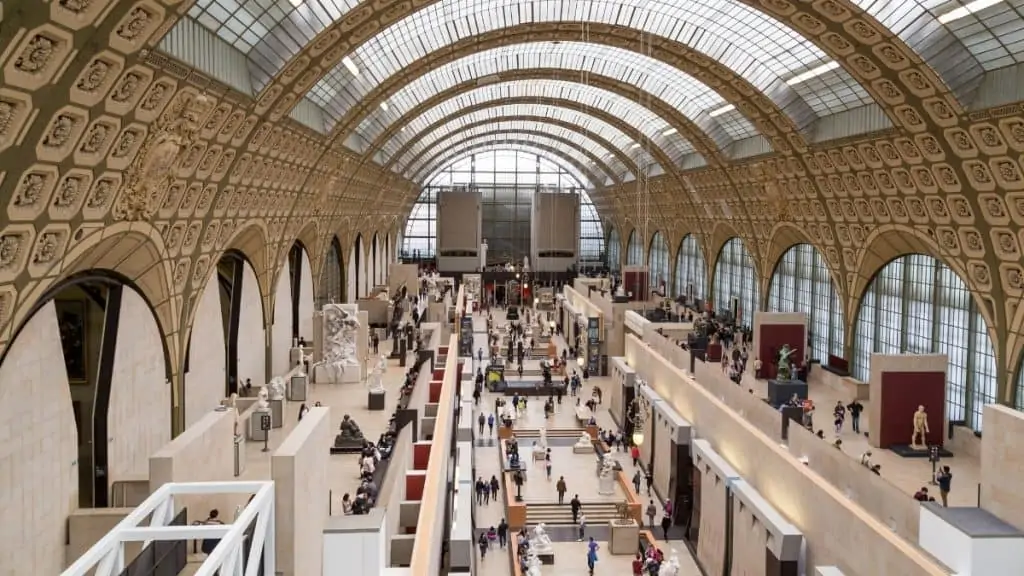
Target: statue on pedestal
784	362
606	477
376	380
585	442
262	400
540	542
533	564
350	436
233	405
276	387
920	440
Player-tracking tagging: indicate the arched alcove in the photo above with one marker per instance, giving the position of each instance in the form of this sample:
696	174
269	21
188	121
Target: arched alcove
801	283
357	270
634	250
917	305
375	261
293	308
691	269
332	276
85	392
736	282
657	264
614	250
244	321
206	365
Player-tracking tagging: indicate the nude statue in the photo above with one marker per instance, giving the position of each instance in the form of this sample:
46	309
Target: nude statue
919	438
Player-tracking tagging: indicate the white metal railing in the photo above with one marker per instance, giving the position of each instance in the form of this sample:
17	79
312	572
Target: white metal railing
107	558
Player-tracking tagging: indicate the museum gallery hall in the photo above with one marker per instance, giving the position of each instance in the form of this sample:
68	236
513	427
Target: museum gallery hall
519	287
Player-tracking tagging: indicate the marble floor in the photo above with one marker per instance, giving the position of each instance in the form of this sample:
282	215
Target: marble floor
342	399
908	474
571	560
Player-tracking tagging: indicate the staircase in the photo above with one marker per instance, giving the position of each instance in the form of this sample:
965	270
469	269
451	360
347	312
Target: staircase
598	513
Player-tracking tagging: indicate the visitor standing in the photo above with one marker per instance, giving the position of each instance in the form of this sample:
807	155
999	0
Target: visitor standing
634	453
502	533
944	479
839	414
560	487
376	344
652	511
583	527
855	409
480	420
490	425
547	463
574	505
591	555
637	478
649	477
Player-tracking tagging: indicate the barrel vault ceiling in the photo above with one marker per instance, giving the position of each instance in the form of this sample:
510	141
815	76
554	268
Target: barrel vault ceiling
118	153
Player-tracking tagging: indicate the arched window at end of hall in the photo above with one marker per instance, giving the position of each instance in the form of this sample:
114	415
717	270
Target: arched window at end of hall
634	250
736	284
918	305
802	283
691	269
657	263
614	250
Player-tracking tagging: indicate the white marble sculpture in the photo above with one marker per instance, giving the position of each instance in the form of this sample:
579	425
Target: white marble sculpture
263	400
671	567
543	438
376	381
276	387
233	405
584	444
341	326
533	564
540	542
606	477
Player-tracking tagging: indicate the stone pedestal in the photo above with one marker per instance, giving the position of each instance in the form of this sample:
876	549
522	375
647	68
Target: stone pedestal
239	455
375	400
256	433
606	485
276	413
624	538
297	388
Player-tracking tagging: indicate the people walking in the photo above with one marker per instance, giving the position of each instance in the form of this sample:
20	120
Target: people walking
503	533
560	488
583	527
480	421
574	505
652	511
634	453
490	425
855	408
637	477
592	548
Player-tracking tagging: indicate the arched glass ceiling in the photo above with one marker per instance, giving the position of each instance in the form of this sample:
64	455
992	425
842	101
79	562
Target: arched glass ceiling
480	135
761	49
615	136
678	89
652	126
577	179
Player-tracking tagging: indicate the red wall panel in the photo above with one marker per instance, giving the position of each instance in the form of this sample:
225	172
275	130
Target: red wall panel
772	338
420	456
414	482
435	391
902	393
635	281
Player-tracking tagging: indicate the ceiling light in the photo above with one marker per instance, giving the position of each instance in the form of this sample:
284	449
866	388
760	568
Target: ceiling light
970	8
350	65
635	146
298	3
669	132
722	110
813	73
384	106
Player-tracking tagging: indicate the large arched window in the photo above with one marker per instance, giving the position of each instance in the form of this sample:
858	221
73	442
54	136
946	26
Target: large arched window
506	179
918	305
657	264
691	269
634	250
1019	399
332	276
801	283
614	250
736	282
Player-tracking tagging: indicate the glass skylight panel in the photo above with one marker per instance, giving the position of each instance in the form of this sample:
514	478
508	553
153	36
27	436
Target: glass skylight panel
832	92
541	146
587	122
550	136
736	124
670	84
751	43
557	164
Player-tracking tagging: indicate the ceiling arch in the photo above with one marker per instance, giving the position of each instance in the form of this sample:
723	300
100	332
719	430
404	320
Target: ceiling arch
587	178
858	29
618	161
595	101
477	133
651	77
616	133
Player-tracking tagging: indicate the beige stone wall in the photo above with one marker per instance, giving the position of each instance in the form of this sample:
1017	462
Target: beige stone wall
139	417
205	379
38	450
664	448
838	531
1002	465
458	221
299	472
281	330
713	495
749	540
392	490
252	343
203	453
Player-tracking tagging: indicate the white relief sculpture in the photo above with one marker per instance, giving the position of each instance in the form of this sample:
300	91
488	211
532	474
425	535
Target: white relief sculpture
276	387
341	326
376	381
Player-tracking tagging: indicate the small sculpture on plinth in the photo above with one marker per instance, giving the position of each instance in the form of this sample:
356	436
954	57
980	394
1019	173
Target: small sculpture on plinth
540	542
276	387
606	477
263	400
233	405
376	381
671	567
919	440
533	563
584	445
350	436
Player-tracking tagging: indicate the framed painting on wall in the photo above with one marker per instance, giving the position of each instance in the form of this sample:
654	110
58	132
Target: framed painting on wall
71	322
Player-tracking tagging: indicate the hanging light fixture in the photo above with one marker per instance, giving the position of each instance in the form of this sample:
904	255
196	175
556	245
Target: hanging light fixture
638	413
